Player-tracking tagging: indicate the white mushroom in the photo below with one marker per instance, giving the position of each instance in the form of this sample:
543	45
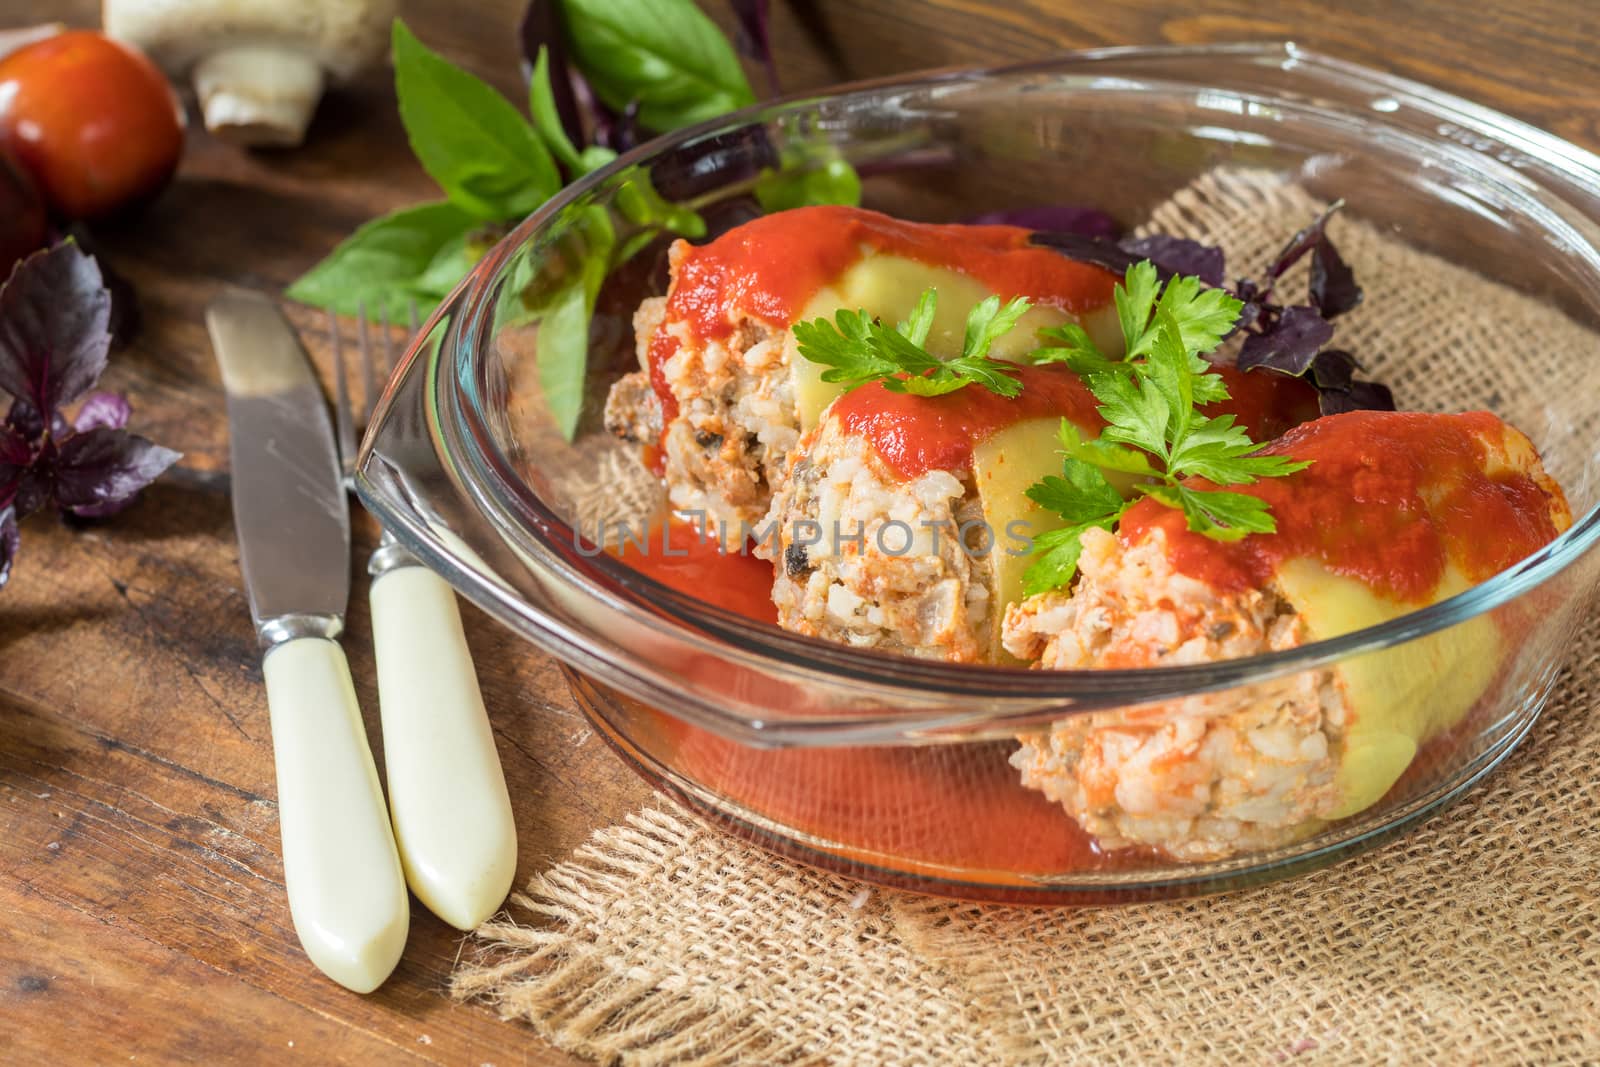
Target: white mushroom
258	65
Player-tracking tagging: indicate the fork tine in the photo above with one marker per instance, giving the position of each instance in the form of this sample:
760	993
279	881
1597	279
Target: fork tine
387	367
369	379
344	428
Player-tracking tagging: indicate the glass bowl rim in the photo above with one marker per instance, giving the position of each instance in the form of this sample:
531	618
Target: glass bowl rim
718	631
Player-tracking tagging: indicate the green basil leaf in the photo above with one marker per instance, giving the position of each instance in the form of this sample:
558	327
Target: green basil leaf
546	119
449	265
633	246
468	137
594	157
639	203
666	54
563	340
382	264
835	182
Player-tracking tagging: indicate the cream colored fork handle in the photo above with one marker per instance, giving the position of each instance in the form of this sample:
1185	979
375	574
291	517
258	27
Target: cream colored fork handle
346	892
447	792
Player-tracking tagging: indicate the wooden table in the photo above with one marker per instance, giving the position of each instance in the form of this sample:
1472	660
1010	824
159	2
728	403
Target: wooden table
142	913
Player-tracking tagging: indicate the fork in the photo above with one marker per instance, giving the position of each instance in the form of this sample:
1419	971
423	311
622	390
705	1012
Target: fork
447	791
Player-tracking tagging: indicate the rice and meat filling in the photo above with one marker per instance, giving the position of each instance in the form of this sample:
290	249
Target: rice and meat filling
866	558
1203	777
735	422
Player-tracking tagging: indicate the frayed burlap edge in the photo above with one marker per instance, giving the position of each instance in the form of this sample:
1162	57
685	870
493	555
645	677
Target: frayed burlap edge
618	965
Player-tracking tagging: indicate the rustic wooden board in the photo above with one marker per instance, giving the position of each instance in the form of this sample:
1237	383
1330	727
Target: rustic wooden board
141	899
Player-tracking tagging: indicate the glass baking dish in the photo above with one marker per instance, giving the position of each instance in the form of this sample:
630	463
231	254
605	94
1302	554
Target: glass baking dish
895	769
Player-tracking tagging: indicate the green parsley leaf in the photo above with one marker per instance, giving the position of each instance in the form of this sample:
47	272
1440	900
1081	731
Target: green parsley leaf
856	349
915	328
1104	454
1136	299
1221	452
1204	316
1168	372
1076	349
964	370
1154	429
1216	513
1135	411
1056	560
1080	495
988	322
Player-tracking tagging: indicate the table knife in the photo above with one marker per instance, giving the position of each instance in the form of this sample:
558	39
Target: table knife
347	894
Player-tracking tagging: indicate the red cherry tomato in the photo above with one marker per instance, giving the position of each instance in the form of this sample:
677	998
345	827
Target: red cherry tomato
92	119
23	224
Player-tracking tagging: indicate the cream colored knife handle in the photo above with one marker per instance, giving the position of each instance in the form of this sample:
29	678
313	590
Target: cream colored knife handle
447	792
346	893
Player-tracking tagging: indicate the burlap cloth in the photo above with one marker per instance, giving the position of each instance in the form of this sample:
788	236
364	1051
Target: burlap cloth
1475	939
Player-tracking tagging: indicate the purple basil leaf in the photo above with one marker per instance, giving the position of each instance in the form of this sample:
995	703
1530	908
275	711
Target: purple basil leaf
1301	243
1333	369
126	317
1368	396
1179	255
753	36
99	472
1085	249
1290	344
10	541
23	418
624	132
54	312
600	119
16	455
35	483
1335	402
1333	285
103	409
541	27
1057	218
1170	255
1248	314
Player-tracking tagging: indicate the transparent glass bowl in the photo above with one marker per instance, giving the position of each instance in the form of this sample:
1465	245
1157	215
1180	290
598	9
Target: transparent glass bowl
895	769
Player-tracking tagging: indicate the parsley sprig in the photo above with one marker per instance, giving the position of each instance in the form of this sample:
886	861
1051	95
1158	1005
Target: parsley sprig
1154	430
856	349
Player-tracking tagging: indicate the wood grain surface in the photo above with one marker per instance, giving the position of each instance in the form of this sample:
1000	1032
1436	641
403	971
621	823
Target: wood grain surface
142	914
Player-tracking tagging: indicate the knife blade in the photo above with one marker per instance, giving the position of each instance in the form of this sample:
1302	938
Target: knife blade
289	503
346	891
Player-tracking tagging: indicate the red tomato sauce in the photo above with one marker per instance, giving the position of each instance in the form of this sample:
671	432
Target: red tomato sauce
771	267
674	554
917	434
1267	404
919	807
662	348
1389	499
